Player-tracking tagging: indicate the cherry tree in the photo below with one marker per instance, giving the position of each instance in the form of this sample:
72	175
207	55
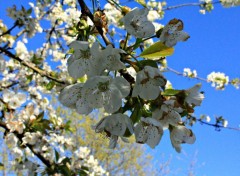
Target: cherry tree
93	57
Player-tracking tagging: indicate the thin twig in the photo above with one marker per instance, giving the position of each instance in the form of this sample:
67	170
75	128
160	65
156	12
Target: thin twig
188	4
181	74
217	125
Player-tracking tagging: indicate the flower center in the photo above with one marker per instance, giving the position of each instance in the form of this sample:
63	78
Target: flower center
85	54
135	24
103	86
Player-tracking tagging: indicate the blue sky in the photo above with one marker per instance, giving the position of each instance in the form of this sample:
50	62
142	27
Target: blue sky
214	46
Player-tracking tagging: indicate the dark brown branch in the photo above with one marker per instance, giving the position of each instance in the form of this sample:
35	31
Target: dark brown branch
9	30
86	11
9	85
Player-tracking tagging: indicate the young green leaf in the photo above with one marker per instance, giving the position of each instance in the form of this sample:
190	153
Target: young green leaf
170	92
156	51
142	2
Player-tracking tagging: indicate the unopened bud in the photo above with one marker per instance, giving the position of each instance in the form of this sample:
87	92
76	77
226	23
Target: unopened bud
125	10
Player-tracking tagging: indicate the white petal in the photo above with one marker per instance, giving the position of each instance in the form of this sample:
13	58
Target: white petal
125	140
70	94
113	142
7	95
83	107
173	118
76	68
122	85
114	102
128	122
21	97
149	91
151	121
136	90
82	45
115	125
154	136
140	133
100	126
95	99
147	29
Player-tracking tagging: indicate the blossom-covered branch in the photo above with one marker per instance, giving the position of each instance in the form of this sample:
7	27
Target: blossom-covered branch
31	66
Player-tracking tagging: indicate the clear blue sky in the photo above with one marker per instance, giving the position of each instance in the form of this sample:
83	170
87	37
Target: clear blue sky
214	46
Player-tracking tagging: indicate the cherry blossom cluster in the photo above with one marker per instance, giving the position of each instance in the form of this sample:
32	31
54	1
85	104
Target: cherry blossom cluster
124	77
106	87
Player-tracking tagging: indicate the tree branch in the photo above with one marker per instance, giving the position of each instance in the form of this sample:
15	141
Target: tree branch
86	11
9	30
31	66
188	4
217	126
20	136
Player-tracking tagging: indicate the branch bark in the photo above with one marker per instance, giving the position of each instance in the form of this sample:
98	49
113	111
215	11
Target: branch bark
86	11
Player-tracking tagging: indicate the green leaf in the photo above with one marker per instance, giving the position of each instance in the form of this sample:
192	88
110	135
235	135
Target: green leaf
144	63
170	92
137	43
157	50
40	116
1	166
29	78
64	170
37	60
29	11
41	126
50	85
136	114
56	155
142	2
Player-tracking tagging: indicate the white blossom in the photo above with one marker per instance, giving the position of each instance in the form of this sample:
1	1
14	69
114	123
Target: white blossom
218	80
18	153
114	126
70	95
21	50
14	125
113	14
225	123
194	97
148	131
84	60
13	99
103	91
180	135
153	15
148	83
205	117
111	58
11	140
31	138
137	24
172	33
168	114
230	3
2	64
189	73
